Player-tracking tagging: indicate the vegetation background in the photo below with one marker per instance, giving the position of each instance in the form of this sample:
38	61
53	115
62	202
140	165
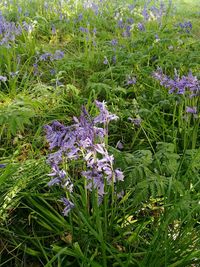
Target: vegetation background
142	58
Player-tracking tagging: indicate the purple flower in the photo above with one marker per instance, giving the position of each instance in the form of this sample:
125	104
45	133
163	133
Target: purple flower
80	17
59	175
95	180
94	43
19	9
14	74
141	27
119	145
68	185
104	116
58	55
127	32
131	80
114	59
185	26
119	176
130	20
84	30
120	194
131	7
120	23
192	110
2	166
68	206
181	85
27	27
145	13
45	57
55	158
8	31
135	121
52	72
105	62
114	42
157	38
35	69
3	78
83	140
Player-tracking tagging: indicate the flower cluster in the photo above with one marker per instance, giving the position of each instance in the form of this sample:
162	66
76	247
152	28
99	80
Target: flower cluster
185	26
186	85
48	56
141	27
83	140
92	6
126	26
90	35
153	12
10	30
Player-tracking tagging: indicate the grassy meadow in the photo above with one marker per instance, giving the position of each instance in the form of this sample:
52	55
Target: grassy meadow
99	133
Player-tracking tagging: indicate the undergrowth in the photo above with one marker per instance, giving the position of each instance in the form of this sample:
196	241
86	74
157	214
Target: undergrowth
75	188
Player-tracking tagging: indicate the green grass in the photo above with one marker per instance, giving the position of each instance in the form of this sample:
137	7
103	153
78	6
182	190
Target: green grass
155	222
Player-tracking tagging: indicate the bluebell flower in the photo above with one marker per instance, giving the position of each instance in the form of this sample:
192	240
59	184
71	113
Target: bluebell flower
2	166
114	59
120	23
131	80
14	74
46	56
3	78
58	55
68	206
185	26
119	176
141	27
105	116
192	110
181	85
145	13
84	30
83	140
94	43
114	42
127	32
59	175
35	69
80	17
19	9
52	72
131	7
120	194
27	27
8	31
135	121
105	62
130	20
119	145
